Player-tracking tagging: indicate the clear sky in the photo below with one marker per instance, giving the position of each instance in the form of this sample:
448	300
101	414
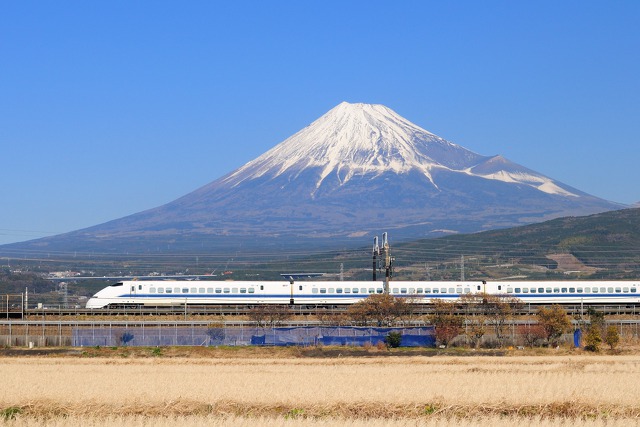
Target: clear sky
108	108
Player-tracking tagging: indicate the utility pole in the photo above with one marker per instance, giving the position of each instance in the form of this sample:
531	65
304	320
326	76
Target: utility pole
376	253
462	268
388	262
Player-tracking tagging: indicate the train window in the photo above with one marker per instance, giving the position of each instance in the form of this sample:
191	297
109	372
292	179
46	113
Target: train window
563	290
139	287
395	291
610	290
435	290
379	290
218	290
300	287
443	290
479	288
419	290
332	291
618	290
201	290
355	290
253	291
176	290
363	290
412	291
518	290
234	290
525	290
323	290
603	290
427	290
152	290
595	290
185	290
467	290
347	290
403	290
587	290
226	290
533	290
548	290
541	290
262	287
168	290
194	290
499	287
243	290
458	290
117	284
556	290
580	290
372	291
161	290
338	290
133	288
451	290
625	290
314	290
509	290
572	290
633	290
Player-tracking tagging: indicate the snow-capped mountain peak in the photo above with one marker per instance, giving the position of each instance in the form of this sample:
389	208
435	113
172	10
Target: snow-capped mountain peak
371	139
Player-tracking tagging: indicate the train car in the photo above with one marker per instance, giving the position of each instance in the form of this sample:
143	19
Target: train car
175	292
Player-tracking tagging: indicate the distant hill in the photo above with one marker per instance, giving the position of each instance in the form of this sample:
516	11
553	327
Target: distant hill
600	245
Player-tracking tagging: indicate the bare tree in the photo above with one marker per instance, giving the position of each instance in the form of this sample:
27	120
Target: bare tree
447	321
383	309
269	315
497	309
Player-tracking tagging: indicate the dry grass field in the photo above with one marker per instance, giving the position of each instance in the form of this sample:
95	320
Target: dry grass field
566	390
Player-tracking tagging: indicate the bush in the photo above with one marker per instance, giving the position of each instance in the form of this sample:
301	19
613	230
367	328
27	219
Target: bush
612	337
393	339
593	339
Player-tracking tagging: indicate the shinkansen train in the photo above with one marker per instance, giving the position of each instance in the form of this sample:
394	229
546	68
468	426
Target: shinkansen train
137	293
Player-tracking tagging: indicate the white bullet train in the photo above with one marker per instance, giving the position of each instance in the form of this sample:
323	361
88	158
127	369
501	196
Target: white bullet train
137	293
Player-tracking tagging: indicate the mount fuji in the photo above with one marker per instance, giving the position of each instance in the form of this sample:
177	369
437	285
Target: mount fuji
356	171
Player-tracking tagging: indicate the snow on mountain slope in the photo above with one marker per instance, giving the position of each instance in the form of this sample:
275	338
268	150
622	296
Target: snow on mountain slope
367	139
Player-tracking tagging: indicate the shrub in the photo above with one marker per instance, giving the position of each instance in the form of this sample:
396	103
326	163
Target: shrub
393	339
593	339
612	337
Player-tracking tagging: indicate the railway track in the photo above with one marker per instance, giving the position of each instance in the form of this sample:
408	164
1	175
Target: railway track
301	311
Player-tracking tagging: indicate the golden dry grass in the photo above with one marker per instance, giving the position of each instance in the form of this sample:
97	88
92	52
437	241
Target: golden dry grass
432	391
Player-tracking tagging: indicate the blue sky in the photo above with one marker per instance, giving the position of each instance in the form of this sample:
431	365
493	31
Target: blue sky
111	108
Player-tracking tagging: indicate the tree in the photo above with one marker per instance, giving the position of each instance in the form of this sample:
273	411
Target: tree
612	337
269	315
447	323
497	309
592	339
475	329
593	336
532	334
383	309
555	322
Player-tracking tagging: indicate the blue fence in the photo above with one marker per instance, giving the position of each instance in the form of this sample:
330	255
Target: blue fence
153	336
